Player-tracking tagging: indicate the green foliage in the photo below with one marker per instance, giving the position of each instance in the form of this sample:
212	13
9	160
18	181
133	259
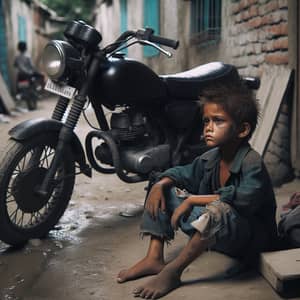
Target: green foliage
72	9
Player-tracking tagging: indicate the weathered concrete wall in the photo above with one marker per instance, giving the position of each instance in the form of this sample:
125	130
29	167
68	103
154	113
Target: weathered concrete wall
108	21
254	34
12	10
35	41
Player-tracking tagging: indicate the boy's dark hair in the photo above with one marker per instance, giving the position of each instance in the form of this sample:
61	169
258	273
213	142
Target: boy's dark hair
237	100
22	46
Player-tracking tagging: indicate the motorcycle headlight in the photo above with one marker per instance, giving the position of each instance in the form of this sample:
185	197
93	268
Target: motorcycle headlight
56	57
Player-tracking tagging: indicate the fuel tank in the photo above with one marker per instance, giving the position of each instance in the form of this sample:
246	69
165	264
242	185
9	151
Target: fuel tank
126	81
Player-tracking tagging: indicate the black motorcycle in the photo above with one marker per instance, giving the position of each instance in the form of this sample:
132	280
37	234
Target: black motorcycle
155	124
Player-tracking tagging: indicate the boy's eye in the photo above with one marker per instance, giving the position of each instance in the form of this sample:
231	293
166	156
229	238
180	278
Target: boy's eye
205	120
218	120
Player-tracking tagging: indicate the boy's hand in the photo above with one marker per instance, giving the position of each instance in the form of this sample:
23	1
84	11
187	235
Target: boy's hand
185	209
155	200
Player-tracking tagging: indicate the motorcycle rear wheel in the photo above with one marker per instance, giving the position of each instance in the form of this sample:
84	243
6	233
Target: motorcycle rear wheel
24	214
31	104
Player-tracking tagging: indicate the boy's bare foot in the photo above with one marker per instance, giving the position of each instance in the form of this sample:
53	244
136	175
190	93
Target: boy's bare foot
145	267
163	283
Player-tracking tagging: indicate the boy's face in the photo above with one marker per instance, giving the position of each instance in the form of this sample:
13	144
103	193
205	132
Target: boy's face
218	126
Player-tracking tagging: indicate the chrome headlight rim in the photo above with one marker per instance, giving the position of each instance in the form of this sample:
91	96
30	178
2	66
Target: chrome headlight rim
58	46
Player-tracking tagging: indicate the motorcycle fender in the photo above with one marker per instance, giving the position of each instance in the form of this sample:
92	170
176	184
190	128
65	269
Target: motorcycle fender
30	128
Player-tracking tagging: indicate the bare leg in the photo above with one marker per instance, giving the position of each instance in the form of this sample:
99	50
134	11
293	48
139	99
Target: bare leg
169	278
151	264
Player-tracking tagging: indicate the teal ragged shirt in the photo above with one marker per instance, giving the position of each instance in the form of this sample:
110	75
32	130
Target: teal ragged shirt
248	189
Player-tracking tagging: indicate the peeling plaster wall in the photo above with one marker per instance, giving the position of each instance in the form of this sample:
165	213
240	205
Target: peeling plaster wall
108	21
12	10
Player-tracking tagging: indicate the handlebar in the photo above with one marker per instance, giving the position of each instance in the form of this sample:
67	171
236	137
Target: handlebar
164	41
147	34
141	35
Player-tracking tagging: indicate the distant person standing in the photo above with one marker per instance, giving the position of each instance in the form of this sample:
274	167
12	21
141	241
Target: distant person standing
28	78
23	63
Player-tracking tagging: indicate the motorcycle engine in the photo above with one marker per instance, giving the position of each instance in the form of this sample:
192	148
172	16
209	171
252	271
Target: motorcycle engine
138	153
127	126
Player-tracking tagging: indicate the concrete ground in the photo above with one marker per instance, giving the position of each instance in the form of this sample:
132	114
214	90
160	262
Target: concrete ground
99	235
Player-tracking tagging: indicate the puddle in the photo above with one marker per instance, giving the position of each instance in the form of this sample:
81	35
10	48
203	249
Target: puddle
19	268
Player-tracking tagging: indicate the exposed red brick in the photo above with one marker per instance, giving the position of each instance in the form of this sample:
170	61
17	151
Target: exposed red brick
262	34
253	11
281	43
272	5
255	22
274	17
277	58
267	19
253	48
283	3
235	8
246	3
268	46
278	30
245	15
257	48
244	28
268	7
277	44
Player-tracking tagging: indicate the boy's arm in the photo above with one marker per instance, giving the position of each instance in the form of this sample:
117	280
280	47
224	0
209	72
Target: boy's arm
187	177
156	199
197	200
186	206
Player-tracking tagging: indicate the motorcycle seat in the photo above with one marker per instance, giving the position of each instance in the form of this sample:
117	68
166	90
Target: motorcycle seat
188	84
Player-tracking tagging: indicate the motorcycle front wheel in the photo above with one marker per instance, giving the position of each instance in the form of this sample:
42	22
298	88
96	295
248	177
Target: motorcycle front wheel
25	214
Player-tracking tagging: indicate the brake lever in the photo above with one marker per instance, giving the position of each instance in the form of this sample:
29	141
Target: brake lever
122	47
165	52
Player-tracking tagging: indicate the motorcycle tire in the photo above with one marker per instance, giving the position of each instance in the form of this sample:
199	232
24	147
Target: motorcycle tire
24	214
31	104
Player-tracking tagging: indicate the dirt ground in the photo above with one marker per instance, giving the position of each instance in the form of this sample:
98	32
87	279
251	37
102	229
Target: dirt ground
99	235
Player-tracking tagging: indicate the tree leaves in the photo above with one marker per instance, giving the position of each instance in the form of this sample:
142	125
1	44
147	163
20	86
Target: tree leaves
72	9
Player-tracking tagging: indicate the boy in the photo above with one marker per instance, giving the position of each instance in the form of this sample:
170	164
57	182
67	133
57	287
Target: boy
229	205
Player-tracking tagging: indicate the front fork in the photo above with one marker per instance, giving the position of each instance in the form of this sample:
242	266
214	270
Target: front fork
66	133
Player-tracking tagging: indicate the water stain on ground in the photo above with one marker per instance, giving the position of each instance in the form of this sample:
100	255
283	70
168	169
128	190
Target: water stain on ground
20	268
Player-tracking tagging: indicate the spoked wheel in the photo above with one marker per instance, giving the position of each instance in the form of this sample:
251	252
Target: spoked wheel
25	214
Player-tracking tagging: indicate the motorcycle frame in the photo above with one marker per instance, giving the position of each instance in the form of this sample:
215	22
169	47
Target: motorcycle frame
67	130
92	63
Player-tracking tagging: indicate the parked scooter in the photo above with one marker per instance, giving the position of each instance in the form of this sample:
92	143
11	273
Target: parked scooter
29	89
155	124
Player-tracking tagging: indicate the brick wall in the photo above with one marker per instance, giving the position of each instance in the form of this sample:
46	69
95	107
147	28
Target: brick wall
259	35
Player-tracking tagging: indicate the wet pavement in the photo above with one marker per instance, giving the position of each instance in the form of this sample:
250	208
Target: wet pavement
98	235
95	202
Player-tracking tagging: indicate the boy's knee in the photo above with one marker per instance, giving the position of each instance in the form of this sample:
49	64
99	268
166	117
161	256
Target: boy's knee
160	226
